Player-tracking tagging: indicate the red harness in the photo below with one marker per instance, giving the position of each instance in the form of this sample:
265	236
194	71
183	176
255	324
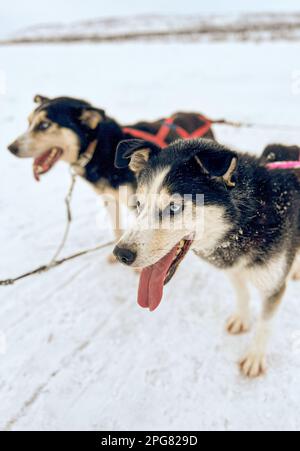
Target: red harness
168	125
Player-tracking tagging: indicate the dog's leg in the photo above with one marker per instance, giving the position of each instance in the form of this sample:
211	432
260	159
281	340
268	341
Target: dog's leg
240	321
254	363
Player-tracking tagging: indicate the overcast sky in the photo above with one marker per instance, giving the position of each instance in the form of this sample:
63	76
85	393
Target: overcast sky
16	14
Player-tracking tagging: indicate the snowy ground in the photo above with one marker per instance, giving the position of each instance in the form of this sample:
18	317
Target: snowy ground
76	351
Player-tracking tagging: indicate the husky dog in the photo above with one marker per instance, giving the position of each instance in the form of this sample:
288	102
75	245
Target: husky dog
84	136
250	226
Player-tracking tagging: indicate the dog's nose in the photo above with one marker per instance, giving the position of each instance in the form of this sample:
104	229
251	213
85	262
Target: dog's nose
14	148
125	256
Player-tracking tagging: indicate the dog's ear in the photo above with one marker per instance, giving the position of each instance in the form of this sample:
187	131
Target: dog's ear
219	163
40	99
135	154
92	117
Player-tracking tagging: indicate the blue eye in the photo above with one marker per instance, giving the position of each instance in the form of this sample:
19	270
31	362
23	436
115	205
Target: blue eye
175	208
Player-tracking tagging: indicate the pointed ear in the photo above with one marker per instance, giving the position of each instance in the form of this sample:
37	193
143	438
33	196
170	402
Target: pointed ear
92	117
221	163
135	154
40	99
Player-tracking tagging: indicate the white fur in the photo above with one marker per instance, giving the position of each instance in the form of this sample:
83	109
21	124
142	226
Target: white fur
214	228
268	279
240	321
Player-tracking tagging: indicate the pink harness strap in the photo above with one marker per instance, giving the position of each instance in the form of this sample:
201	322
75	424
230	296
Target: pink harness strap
284	165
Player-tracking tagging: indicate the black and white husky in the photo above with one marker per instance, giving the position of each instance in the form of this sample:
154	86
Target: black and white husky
250	226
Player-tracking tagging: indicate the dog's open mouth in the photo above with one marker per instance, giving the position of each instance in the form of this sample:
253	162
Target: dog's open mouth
156	276
45	162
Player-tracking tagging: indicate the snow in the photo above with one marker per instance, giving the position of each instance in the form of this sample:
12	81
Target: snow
76	352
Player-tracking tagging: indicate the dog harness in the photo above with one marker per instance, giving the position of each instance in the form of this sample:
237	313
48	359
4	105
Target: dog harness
159	139
284	165
167	126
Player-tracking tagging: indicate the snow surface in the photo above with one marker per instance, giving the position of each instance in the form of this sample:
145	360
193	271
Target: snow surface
76	352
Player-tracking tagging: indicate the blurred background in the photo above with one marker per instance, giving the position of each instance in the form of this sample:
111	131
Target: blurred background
17	14
79	353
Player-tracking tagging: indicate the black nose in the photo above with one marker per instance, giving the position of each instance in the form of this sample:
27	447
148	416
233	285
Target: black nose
13	148
125	256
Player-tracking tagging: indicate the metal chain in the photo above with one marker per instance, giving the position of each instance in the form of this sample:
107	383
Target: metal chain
46	268
54	261
68	201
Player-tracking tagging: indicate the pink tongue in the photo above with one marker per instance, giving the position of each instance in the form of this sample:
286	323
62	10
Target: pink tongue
43	164
152	282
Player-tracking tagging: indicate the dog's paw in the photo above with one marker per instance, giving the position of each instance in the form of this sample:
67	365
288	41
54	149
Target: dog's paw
253	365
237	325
112	259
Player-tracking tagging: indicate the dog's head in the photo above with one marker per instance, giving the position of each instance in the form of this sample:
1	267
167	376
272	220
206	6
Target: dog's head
59	128
183	201
277	153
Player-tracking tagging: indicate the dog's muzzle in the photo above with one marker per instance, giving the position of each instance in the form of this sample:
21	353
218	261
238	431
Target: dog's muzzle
14	148
125	256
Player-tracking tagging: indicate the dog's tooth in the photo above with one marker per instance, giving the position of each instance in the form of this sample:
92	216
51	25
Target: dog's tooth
180	247
51	157
39	169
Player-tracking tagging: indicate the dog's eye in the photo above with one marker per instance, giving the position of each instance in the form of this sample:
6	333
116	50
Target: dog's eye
138	207
175	208
43	126
271	156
